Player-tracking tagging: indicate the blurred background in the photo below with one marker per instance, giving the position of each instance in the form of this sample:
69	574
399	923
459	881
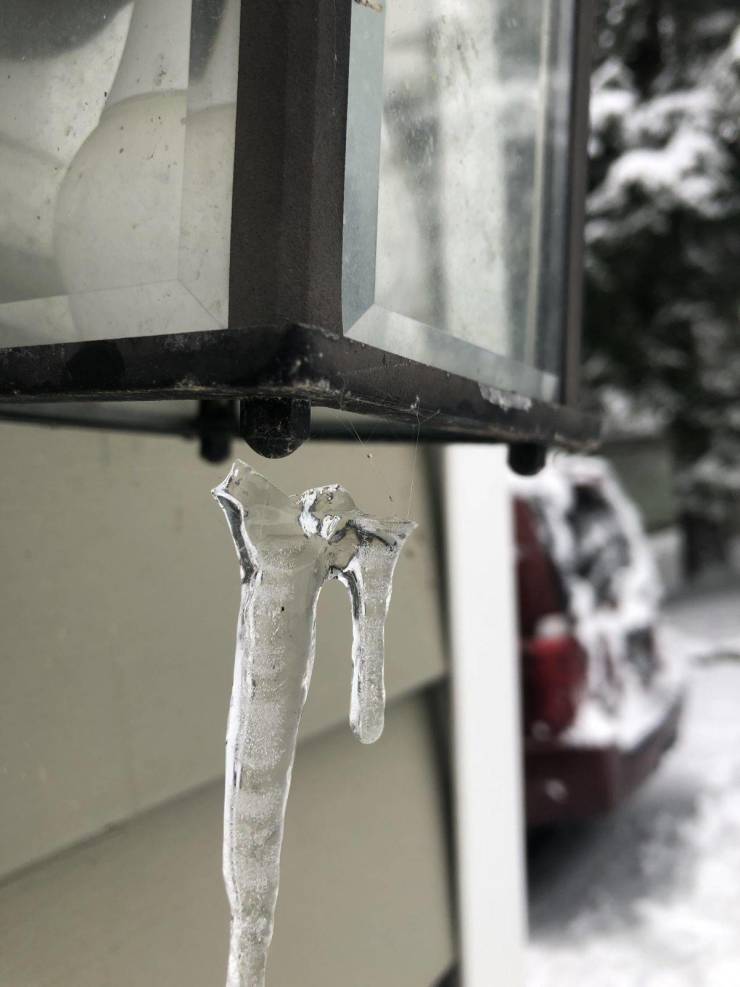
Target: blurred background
647	894
663	241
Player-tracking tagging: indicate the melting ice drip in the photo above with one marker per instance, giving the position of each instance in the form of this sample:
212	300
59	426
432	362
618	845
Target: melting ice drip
288	547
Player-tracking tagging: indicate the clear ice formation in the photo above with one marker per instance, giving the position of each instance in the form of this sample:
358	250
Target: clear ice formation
288	547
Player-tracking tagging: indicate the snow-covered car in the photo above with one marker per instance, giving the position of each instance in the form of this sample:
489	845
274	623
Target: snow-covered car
601	699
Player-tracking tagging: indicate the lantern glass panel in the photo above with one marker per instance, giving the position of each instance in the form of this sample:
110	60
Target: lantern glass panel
116	163
456	185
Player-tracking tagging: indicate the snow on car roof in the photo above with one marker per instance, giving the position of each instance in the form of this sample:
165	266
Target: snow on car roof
619	715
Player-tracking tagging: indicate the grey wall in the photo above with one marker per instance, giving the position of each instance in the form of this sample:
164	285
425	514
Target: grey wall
117	617
363	900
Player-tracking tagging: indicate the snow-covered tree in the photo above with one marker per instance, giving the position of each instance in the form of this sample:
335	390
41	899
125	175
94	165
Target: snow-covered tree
663	228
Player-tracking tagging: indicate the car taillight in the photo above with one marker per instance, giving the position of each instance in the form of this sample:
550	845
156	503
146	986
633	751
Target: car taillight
554	682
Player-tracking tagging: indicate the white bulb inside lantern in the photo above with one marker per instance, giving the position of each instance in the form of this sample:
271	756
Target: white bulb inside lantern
142	226
118	212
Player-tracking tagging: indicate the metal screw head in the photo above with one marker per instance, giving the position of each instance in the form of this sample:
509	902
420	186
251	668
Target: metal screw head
275	427
527	458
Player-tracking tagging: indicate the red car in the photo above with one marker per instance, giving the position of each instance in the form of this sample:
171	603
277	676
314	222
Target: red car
601	704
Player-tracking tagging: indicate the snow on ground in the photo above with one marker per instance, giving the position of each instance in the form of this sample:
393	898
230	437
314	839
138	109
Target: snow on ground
650	896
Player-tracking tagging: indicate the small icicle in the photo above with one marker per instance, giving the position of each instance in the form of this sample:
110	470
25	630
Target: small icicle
369	578
288	547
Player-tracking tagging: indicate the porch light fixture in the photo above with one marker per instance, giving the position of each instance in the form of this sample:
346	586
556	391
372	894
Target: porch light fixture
366	205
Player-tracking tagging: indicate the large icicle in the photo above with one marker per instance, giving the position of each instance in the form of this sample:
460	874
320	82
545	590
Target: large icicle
288	547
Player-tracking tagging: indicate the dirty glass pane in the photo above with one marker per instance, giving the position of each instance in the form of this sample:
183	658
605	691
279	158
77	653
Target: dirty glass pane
458	138
116	161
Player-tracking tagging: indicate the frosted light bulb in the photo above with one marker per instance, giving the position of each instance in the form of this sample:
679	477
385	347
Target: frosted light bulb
118	212
53	92
157	53
146	204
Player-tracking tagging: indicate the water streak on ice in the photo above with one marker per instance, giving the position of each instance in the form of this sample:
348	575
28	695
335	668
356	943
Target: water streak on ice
288	547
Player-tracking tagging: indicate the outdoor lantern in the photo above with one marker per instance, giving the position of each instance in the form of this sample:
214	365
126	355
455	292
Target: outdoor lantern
371	206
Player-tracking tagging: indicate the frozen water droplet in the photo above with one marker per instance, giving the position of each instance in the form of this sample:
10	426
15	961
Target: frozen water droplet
288	547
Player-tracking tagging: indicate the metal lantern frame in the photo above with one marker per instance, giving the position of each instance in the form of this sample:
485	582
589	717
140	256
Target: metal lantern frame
285	350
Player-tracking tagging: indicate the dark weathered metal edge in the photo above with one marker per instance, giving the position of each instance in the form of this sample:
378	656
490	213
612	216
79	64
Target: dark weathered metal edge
290	361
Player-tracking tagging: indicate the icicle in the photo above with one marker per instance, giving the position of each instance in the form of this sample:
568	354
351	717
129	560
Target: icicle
288	547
